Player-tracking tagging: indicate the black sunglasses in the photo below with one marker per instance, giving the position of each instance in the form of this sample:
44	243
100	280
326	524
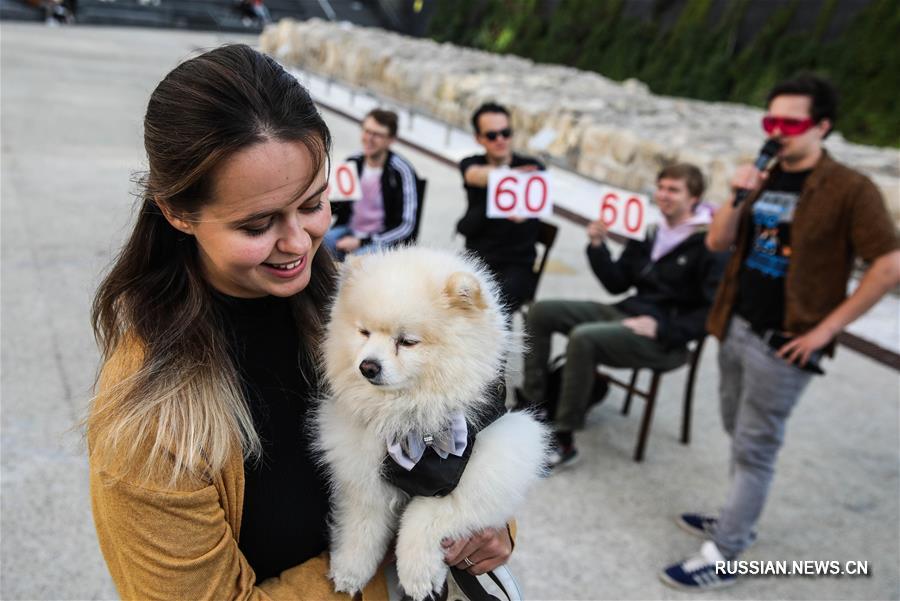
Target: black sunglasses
493	135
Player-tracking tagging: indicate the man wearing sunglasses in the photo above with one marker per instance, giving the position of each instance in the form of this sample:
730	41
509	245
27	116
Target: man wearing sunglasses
506	245
387	213
782	301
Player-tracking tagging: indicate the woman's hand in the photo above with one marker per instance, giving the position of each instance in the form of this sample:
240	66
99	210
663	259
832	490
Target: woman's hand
481	552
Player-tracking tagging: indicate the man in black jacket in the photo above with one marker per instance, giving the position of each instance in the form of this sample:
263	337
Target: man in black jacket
387	213
506	245
675	277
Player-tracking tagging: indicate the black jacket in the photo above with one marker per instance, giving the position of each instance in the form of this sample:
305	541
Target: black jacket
677	290
401	202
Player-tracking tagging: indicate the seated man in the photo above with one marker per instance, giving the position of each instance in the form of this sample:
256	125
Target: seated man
387	212
675	277
506	245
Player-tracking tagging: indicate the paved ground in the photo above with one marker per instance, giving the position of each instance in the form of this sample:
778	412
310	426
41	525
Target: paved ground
72	102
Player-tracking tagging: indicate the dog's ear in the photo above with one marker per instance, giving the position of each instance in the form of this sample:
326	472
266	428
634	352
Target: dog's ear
464	292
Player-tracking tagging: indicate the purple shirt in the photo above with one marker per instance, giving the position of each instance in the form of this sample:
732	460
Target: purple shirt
368	211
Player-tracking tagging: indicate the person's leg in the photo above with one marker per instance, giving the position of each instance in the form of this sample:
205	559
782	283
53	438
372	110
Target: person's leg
332	236
518	284
769	391
731	374
543	319
730	377
611	344
515	282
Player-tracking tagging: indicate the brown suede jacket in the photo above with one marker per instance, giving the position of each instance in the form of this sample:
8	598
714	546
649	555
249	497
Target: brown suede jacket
840	215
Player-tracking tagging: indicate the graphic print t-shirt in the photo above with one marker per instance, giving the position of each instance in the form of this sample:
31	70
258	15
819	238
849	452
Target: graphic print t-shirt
761	288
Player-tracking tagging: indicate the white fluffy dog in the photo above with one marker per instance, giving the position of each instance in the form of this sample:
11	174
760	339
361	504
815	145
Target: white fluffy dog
416	336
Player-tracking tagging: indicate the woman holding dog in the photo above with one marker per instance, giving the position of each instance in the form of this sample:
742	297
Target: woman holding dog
209	323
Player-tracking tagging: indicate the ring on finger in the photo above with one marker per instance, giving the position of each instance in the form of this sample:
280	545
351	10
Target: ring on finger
468	562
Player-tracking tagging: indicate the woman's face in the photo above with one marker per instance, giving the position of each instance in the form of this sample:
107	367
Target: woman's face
259	234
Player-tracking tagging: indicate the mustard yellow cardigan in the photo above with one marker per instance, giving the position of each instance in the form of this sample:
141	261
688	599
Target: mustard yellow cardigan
181	542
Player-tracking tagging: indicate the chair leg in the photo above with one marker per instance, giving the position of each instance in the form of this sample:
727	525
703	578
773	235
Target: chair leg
647	419
631	388
688	407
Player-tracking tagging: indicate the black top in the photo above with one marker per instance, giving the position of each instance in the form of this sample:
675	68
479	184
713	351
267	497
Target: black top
285	497
677	289
768	252
497	241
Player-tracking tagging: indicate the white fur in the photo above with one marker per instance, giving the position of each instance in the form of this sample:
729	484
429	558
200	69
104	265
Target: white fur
448	304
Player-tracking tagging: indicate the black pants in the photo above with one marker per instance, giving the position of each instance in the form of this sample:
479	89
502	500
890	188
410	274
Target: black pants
516	281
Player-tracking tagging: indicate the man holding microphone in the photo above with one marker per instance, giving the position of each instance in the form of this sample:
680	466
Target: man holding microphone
795	231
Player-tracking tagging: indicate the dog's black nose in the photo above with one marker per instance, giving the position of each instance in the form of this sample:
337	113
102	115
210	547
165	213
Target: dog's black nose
370	368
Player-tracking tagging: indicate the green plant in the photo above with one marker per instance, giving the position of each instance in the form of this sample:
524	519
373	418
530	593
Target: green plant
696	57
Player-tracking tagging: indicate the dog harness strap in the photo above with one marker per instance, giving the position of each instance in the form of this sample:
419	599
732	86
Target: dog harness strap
434	475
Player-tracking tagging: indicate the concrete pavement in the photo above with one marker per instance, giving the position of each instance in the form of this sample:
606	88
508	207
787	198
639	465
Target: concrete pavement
72	104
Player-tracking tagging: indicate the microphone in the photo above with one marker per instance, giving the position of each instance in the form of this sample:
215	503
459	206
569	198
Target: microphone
766	153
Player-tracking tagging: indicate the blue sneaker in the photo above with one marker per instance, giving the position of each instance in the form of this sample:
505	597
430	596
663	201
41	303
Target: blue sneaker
697	524
703	525
698	573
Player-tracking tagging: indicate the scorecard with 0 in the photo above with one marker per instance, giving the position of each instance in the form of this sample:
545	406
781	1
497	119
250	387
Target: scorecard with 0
344	183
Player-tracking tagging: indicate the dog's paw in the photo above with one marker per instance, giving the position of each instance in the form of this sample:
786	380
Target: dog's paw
346	574
346	583
420	567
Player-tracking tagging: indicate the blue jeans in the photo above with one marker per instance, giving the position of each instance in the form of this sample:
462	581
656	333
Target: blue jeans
757	392
338	232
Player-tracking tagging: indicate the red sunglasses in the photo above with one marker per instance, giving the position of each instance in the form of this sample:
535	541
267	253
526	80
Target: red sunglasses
786	125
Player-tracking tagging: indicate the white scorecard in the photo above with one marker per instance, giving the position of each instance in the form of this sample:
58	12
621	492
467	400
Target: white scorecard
513	193
344	184
624	212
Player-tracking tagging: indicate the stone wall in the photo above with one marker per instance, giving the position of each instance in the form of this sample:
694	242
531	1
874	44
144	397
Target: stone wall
619	133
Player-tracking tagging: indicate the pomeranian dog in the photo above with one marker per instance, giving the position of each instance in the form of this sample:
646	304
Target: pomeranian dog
417	342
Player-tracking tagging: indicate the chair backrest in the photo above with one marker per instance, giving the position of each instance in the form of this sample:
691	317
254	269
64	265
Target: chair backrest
421	185
546	237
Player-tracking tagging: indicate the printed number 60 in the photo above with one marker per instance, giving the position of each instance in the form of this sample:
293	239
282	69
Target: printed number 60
506	198
633	216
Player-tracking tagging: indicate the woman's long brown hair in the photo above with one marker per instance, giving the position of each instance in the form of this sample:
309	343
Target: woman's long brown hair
179	412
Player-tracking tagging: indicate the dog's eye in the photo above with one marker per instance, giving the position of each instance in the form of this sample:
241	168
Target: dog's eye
407	342
364	332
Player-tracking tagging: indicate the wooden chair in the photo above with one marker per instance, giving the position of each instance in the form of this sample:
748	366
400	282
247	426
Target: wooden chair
421	186
649	395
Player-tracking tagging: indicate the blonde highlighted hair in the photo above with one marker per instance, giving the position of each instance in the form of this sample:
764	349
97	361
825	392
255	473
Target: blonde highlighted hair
168	402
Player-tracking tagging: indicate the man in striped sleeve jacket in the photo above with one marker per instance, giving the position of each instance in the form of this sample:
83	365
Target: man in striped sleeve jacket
388	212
